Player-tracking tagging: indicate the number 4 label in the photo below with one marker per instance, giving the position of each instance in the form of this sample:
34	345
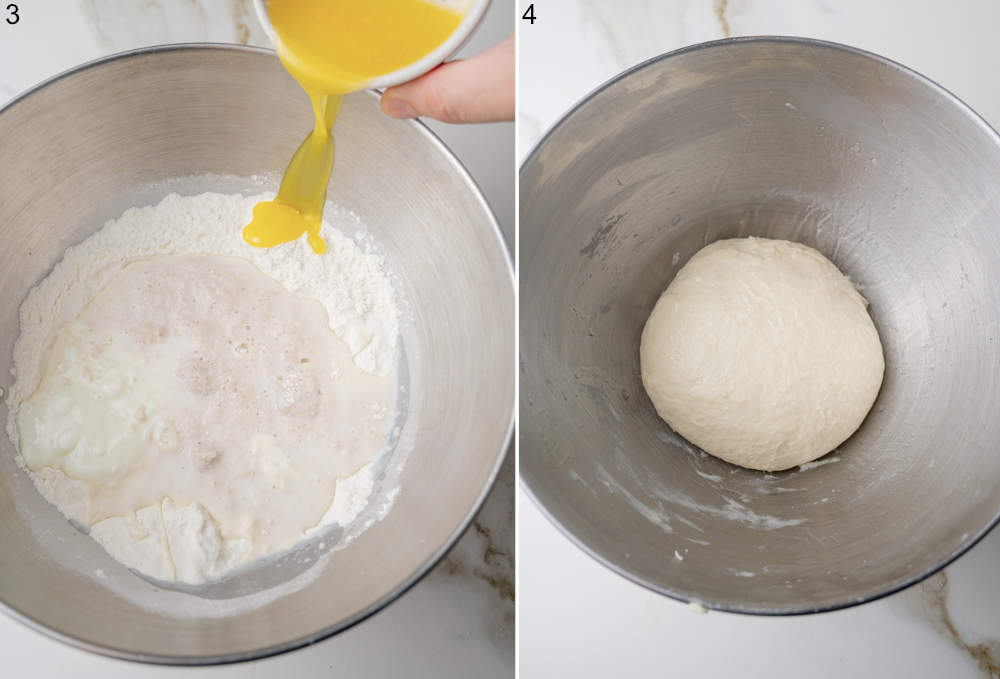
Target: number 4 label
529	14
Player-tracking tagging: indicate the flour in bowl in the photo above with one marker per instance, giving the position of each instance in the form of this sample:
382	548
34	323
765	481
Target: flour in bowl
197	403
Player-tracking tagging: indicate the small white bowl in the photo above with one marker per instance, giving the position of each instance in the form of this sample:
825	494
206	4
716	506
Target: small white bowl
474	13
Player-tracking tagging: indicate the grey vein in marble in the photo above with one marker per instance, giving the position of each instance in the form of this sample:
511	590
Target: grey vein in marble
118	26
484	560
644	29
720	13
933	596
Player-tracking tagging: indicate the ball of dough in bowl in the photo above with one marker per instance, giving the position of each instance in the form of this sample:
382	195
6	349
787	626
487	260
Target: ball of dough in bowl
762	353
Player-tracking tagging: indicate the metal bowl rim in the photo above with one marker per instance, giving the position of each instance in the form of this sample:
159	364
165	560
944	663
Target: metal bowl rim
434	557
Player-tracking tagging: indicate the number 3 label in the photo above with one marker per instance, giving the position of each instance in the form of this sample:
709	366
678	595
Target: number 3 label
12	15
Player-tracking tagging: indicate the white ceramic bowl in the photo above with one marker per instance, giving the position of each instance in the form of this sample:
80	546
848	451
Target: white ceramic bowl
475	9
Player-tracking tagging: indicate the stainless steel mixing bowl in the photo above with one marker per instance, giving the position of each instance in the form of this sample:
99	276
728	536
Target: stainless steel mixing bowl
883	171
124	131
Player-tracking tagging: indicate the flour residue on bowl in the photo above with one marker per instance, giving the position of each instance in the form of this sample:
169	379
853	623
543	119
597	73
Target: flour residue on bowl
818	463
174	389
656	500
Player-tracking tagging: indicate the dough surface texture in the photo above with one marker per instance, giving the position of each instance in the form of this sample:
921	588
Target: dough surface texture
762	353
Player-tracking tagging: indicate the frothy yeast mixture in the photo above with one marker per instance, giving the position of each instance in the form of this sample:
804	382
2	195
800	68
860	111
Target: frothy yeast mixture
193	412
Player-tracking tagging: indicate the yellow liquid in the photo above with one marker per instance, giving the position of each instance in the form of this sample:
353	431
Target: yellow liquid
334	47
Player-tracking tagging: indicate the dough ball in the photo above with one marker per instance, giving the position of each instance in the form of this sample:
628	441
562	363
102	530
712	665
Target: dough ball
762	353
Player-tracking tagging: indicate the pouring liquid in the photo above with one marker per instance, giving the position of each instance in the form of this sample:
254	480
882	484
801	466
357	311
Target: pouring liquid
333	48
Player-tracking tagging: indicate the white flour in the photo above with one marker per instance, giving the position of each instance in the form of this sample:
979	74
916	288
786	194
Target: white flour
171	541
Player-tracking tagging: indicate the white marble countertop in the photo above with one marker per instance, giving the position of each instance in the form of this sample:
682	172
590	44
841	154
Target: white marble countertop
459	620
578	619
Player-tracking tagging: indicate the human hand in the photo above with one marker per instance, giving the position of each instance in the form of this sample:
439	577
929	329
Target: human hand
475	90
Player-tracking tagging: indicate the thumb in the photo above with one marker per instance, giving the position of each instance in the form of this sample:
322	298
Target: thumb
475	90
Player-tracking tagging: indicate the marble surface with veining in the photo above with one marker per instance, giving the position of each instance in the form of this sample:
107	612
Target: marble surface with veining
458	620
578	619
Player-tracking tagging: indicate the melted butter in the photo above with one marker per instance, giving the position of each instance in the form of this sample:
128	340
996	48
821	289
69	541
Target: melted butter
333	48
